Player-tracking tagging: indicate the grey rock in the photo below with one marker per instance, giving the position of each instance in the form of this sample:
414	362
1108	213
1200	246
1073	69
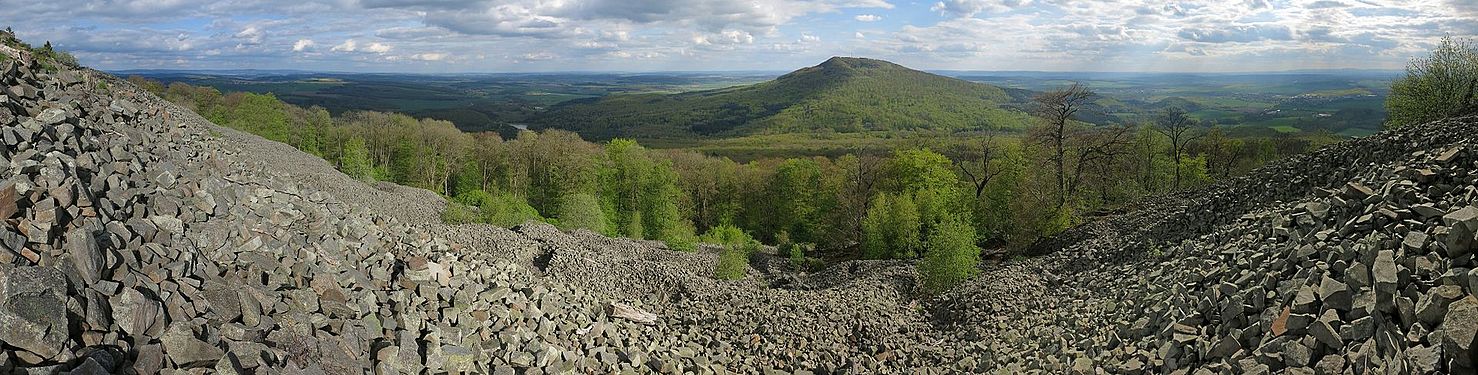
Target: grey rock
185	350
1460	329
1324	330
1462	227
33	310
135	313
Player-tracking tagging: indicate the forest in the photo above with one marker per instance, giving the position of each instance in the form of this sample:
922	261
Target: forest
968	191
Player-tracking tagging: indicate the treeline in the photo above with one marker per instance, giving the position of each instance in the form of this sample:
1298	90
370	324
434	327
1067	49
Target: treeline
942	204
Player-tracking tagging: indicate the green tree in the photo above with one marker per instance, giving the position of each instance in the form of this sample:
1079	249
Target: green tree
581	211
951	257
795	200
356	161
1435	87
508	210
892	228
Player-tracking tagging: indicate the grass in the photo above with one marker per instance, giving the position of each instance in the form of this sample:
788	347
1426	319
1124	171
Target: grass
1285	129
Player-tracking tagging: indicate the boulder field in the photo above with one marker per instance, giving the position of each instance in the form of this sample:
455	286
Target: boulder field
137	237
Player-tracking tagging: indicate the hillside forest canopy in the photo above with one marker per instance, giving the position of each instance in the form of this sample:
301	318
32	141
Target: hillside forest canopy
1000	190
968	190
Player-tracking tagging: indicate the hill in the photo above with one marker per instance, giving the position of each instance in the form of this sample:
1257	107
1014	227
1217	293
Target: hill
135	236
843	94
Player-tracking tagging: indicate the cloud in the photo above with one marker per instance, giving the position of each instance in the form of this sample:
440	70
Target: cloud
726	37
538	56
969	8
251	35
1237	33
747	34
302	45
347	46
377	48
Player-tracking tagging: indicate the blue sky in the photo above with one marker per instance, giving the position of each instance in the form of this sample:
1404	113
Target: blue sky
445	36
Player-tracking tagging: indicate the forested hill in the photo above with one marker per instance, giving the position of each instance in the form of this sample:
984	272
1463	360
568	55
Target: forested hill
844	94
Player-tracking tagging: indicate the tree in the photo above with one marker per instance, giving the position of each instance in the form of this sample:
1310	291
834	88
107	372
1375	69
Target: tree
507	210
892	228
356	161
1181	129
951	257
1057	109
975	164
1073	148
1438	86
581	211
794	199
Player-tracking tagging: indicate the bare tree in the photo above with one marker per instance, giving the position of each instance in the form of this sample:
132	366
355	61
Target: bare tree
975	163
1181	129
1057	109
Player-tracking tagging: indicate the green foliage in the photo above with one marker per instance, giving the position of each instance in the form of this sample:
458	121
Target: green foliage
795	200
892	228
581	211
733	260
473	198
841	95
458	213
356	160
262	115
643	193
726	235
507	210
1435	87
1193	172
951	257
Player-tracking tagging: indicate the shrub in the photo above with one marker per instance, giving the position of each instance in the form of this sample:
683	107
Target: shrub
733	260
473	198
951	257
725	235
1435	87
507	210
581	211
680	237
457	213
798	253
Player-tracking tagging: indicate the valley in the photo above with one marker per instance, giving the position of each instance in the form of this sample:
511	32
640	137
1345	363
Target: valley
796	187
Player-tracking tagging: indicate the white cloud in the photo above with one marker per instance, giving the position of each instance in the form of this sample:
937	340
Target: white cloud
432	56
762	34
251	35
302	45
347	46
969	8
377	48
726	37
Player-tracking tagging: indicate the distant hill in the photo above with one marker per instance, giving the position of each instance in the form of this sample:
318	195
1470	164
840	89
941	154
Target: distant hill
844	94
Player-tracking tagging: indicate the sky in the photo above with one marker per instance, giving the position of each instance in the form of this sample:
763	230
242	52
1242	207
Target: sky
457	36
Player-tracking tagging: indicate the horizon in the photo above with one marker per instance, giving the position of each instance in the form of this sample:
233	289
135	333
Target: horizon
947	72
603	36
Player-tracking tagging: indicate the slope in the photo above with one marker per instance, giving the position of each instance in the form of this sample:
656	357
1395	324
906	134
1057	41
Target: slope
135	236
842	94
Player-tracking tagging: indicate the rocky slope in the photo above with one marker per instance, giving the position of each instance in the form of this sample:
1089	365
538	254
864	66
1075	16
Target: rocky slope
139	238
